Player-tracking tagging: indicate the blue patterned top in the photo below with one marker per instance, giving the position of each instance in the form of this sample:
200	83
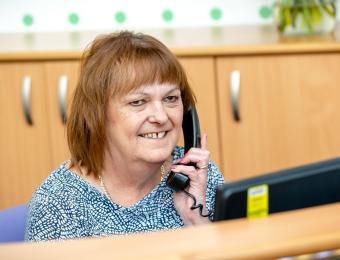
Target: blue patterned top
67	206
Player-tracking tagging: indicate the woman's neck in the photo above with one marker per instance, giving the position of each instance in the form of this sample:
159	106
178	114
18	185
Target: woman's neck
129	182
131	175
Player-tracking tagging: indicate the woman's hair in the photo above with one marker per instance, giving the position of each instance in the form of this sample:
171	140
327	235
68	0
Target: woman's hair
114	65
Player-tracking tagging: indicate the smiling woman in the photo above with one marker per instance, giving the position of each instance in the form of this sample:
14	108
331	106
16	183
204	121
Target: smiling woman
144	125
124	124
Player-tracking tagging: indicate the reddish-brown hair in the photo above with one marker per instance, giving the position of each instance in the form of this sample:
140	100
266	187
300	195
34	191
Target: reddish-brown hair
114	65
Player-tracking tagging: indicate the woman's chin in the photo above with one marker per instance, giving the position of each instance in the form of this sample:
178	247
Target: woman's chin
158	156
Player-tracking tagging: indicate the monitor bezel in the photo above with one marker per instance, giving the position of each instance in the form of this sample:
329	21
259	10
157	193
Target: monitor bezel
226	191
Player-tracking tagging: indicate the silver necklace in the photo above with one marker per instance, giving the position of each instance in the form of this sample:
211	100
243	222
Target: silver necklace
102	185
107	194
162	171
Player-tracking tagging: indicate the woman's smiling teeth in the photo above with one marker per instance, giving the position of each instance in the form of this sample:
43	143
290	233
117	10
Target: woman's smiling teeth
154	135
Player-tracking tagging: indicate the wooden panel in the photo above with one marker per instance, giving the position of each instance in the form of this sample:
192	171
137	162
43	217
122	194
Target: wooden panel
57	130
190	41
289	107
200	73
279	235
24	150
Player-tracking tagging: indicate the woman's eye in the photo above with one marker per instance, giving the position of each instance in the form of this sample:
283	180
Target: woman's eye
171	99
137	103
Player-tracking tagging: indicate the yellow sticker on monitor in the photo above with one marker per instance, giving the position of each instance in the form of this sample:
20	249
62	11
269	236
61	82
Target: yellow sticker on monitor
257	201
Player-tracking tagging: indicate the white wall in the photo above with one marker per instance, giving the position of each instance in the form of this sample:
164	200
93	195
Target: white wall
53	15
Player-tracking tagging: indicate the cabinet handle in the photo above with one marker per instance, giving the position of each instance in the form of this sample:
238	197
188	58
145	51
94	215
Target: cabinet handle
26	96
62	93
234	94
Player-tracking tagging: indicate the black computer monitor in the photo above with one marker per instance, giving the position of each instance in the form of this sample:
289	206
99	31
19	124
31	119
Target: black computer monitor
300	187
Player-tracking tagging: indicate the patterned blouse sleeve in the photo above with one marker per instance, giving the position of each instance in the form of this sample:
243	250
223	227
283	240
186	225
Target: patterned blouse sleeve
49	219
215	178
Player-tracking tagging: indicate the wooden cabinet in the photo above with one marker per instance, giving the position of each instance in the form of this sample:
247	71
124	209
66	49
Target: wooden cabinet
24	148
289	111
28	152
288	106
201	76
288	101
61	79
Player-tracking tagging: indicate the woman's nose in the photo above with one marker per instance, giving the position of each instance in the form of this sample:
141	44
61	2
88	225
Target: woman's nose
158	114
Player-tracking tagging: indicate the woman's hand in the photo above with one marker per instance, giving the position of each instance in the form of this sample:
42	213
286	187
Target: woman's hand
197	186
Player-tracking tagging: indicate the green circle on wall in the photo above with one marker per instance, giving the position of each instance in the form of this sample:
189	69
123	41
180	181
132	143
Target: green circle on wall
167	15
120	17
216	13
73	18
27	20
265	11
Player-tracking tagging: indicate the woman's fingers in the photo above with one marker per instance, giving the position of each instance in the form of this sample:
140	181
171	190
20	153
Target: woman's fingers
196	155
188	170
204	141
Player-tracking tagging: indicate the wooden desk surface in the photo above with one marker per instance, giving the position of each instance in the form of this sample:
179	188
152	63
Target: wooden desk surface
285	234
184	42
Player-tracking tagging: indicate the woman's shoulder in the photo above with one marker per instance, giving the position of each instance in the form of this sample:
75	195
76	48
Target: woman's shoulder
56	201
58	177
60	183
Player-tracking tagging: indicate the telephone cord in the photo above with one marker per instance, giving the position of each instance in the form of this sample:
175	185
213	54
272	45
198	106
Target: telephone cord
197	206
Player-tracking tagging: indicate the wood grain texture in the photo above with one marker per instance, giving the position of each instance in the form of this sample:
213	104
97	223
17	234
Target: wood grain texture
184	42
288	100
201	76
289	112
284	234
25	156
57	130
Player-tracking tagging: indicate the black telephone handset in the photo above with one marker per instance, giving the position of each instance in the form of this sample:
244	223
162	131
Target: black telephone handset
192	138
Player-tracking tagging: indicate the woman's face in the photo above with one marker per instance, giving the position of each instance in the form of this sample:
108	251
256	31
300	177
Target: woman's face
145	124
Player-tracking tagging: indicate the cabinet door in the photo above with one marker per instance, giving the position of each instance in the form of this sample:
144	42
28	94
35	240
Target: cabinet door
200	72
289	112
61	78
24	149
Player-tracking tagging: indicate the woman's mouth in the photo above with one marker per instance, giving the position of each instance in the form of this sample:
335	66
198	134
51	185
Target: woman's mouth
155	135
